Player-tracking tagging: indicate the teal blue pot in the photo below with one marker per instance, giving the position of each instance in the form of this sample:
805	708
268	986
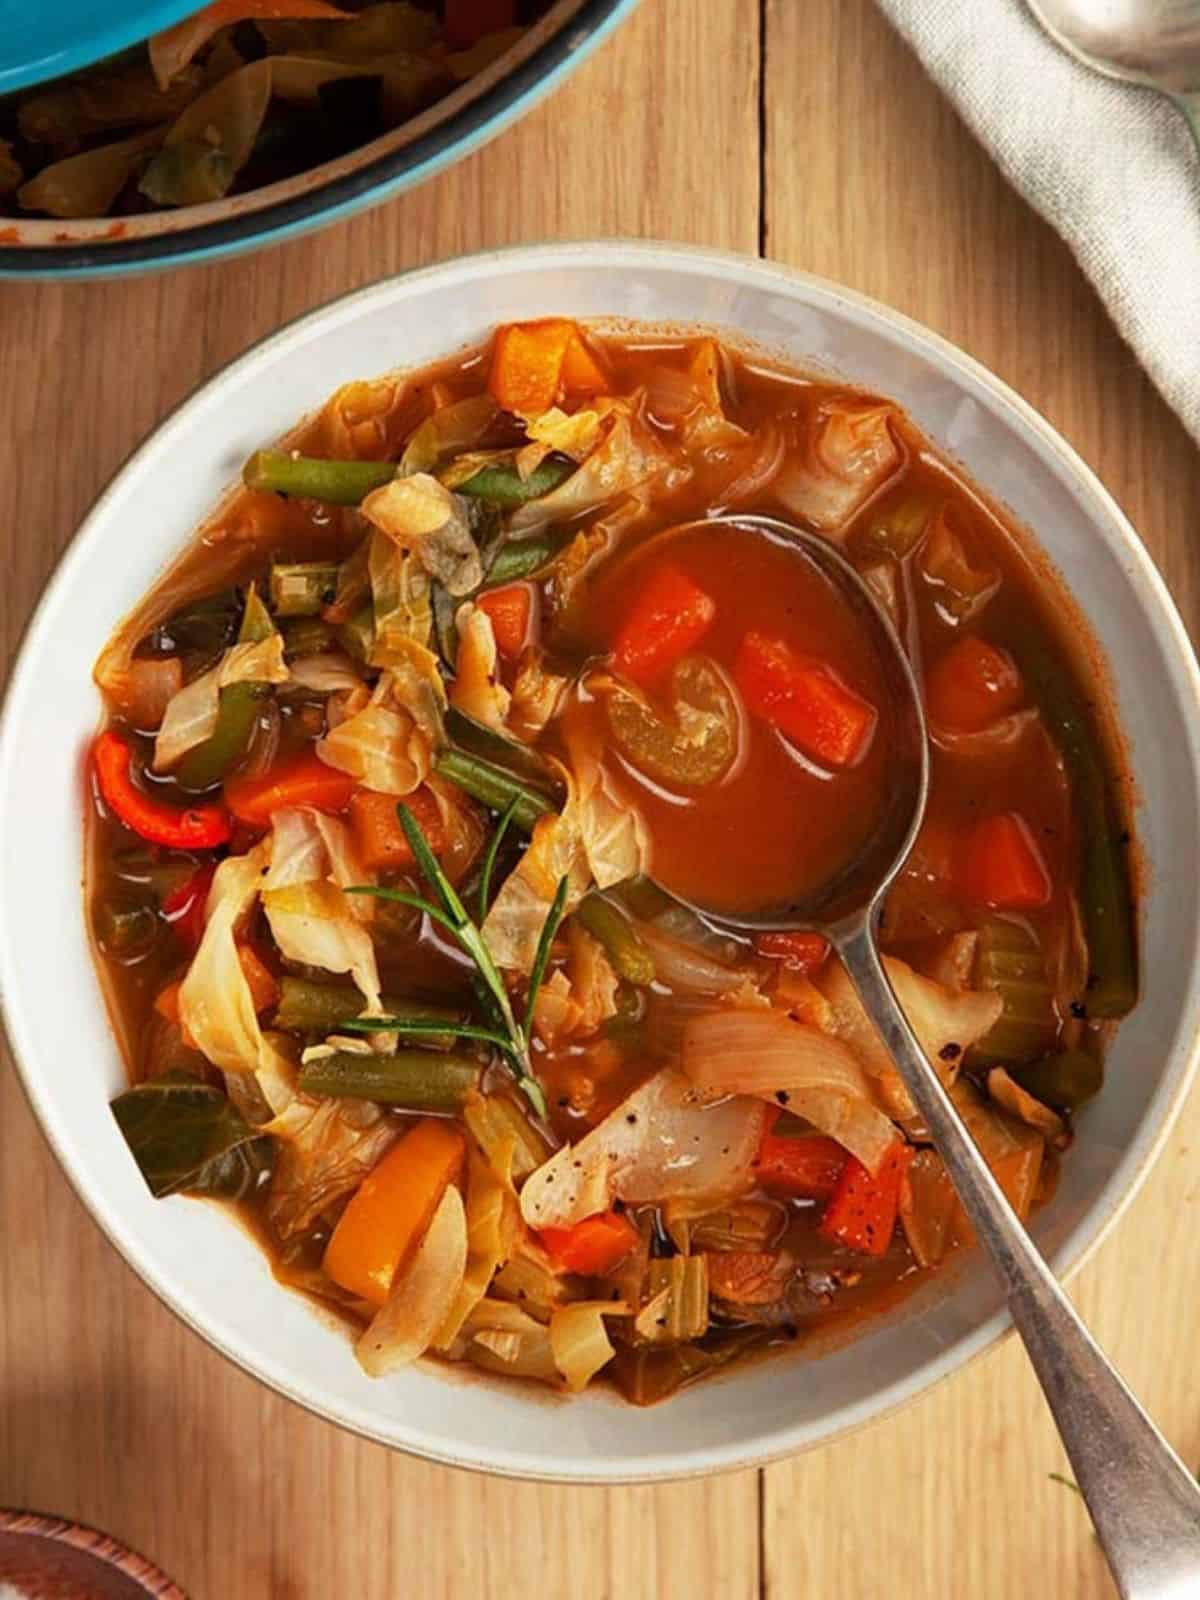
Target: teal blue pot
447	131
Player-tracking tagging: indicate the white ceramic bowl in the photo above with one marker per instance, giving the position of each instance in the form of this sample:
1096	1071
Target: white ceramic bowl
195	1259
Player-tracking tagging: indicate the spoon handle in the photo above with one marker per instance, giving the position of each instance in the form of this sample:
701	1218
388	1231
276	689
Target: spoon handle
1144	1503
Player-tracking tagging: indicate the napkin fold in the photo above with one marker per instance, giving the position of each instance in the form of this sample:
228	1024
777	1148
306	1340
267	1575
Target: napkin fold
1114	168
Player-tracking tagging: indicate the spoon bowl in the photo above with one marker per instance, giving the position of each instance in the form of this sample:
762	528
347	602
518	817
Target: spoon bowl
1154	43
1143	1501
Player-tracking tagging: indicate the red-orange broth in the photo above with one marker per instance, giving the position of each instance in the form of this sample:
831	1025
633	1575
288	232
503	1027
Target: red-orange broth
508	628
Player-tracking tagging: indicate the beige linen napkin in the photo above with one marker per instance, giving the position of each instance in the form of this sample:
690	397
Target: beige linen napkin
1114	168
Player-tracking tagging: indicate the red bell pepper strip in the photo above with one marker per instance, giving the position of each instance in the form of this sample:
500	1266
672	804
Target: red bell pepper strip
804	699
184	907
972	685
862	1210
193	828
1002	867
592	1247
805	1167
670	616
804	952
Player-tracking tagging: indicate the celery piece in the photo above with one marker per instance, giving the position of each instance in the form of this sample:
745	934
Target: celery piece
676	1301
1010	962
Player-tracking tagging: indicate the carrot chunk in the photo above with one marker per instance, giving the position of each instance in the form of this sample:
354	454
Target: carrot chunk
592	1247
382	843
807	1166
527	364
972	685
805	700
511	609
670	616
862	1210
1001	865
303	780
803	951
391	1209
582	373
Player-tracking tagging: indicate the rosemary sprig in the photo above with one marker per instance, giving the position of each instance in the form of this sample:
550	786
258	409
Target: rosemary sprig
511	1036
489	860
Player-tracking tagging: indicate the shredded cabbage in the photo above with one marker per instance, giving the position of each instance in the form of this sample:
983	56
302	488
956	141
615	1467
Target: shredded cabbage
216	1008
579	1340
514	924
420	514
422	1295
627	457
658	1144
191	715
381	745
450	430
846	458
477	690
312	920
732	1051
493	1221
323	1150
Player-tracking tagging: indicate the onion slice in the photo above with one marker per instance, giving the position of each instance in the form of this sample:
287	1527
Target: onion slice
764	1053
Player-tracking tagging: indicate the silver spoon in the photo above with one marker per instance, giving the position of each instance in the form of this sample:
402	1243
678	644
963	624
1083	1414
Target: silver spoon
1143	1501
1155	43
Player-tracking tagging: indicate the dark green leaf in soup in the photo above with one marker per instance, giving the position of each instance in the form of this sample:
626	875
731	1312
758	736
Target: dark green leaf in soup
185	1135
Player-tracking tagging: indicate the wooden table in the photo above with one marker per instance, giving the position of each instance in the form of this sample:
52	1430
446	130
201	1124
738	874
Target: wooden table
807	131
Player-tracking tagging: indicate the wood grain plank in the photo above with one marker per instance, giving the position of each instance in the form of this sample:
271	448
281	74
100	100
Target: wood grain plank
872	180
109	1409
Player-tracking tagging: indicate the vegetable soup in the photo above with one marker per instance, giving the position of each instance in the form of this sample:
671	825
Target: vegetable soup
412	766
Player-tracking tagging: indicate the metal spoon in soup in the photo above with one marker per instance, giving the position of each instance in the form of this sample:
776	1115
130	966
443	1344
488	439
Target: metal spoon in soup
1143	1501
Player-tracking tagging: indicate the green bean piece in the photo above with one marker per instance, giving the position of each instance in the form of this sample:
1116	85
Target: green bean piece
237	713
306	1006
410	1080
1011	964
523	558
125	930
622	943
301	588
493	787
307	636
503	485
338	483
357	636
498	750
1105	891
1065	1080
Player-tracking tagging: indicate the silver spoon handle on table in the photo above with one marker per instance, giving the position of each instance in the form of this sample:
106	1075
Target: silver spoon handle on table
1144	1502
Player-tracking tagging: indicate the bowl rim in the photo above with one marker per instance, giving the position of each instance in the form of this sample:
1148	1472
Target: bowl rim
372	183
1161	1112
